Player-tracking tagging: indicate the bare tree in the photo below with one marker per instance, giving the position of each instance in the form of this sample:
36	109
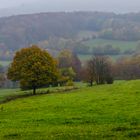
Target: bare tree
99	69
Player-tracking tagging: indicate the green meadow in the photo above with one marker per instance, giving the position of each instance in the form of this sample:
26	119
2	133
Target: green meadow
84	57
5	63
123	45
110	112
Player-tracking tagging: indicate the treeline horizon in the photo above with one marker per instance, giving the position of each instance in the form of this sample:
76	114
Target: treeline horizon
99	69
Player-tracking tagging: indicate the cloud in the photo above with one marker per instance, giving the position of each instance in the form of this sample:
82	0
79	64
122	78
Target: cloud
70	5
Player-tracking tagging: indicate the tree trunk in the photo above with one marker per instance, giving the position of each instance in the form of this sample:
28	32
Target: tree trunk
34	90
91	83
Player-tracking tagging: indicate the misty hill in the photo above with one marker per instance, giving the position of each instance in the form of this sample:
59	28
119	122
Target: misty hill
17	7
20	31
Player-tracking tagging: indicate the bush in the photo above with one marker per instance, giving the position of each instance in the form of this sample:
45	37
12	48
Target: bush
70	83
109	80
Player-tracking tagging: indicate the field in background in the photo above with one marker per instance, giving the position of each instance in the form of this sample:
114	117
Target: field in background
101	112
123	45
5	63
84	57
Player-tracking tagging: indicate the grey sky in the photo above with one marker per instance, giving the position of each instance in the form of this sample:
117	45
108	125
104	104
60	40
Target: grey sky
71	5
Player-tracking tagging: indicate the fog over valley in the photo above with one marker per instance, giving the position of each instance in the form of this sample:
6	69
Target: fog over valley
15	7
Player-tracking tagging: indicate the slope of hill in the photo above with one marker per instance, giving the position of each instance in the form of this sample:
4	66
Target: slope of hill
122	45
102	112
126	48
56	30
18	31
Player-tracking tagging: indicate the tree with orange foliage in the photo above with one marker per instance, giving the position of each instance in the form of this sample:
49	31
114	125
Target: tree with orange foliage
33	68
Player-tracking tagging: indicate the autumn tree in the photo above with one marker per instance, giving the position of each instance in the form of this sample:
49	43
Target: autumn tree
68	59
99	69
33	68
66	76
88	73
128	68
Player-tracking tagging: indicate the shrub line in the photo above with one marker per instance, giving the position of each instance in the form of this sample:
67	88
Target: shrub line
15	97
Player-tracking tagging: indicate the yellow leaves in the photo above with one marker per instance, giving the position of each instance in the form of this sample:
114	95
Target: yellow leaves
33	64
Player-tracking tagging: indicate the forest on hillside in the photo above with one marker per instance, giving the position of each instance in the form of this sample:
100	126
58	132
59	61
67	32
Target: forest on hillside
62	29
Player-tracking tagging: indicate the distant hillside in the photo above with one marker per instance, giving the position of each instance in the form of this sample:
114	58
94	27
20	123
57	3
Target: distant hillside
19	31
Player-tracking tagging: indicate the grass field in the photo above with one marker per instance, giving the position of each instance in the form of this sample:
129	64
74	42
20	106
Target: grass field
110	112
123	45
84	58
13	93
5	63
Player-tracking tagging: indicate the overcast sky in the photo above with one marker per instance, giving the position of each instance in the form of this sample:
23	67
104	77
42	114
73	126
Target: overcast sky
120	6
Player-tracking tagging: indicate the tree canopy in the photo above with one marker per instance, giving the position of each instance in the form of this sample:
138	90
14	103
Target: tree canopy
33	68
69	60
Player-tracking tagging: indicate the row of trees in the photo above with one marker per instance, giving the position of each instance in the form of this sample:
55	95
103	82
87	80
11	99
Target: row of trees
34	68
101	69
127	68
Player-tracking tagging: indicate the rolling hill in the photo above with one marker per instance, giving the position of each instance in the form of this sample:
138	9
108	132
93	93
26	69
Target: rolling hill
126	47
22	30
102	112
58	30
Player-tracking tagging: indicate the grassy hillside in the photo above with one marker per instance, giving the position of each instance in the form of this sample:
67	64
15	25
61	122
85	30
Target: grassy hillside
123	45
84	57
8	92
102	112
